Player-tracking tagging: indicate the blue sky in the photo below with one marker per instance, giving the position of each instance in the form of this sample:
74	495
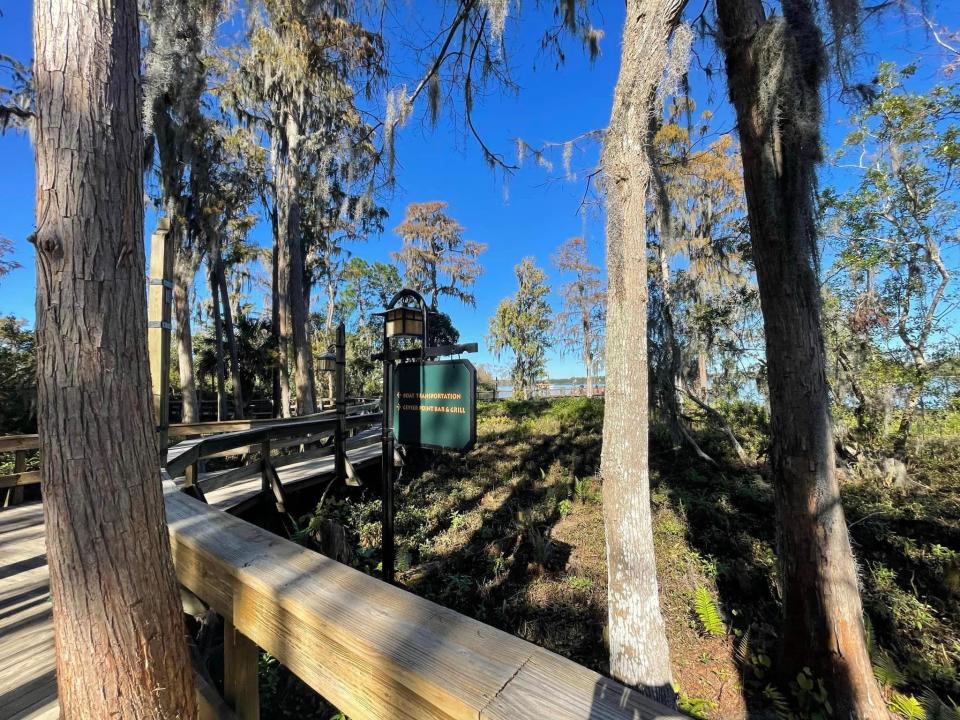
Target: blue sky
530	213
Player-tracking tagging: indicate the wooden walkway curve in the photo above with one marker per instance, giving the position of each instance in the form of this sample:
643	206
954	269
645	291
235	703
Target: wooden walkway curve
373	650
28	686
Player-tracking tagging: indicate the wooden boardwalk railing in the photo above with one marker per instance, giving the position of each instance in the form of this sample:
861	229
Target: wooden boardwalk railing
371	649
20	445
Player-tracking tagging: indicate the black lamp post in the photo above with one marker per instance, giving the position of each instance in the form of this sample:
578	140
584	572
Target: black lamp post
334	361
398	321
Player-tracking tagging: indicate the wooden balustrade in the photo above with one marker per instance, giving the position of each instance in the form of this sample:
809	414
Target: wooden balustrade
20	445
371	649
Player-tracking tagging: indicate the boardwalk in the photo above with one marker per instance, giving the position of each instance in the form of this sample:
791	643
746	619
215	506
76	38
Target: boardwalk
27	683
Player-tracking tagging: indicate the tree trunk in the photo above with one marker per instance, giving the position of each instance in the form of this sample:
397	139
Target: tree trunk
280	399
212	263
118	626
282	276
231	342
587	352
299	311
184	272
774	70
703	380
906	420
639	655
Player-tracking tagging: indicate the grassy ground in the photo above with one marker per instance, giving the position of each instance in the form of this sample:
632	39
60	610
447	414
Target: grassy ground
512	534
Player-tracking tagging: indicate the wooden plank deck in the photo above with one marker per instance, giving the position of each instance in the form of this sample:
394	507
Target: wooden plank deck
296	476
28	688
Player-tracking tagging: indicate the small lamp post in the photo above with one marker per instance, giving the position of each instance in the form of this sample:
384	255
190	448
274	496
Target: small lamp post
334	361
399	320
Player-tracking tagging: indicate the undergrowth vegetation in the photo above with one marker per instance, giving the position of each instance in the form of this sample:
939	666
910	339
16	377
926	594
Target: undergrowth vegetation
512	534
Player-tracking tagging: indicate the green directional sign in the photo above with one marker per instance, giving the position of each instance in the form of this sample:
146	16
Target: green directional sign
434	404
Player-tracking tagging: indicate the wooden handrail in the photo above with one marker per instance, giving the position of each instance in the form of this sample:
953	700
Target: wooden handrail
371	649
186	430
12	443
186	453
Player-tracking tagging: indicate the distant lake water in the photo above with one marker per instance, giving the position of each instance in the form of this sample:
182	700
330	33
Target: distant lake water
504	392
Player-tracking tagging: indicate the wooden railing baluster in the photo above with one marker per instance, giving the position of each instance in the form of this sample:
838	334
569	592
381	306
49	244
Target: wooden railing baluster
241	661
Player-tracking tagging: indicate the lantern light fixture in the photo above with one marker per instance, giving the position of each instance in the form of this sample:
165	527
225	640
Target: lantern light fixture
327	362
404	321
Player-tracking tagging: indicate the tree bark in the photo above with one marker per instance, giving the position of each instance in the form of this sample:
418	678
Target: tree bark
118	626
279	397
231	341
587	351
182	280
299	312
774	71
282	275
639	655
703	380
212	262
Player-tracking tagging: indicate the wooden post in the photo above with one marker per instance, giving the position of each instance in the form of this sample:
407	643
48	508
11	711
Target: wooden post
340	393
14	495
158	328
241	659
264	466
191	474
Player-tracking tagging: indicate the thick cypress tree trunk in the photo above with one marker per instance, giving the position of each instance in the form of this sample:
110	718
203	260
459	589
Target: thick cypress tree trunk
639	654
284	262
299	310
279	397
118	625
774	70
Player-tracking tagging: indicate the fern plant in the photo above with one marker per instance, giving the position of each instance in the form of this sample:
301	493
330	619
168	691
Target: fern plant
937	709
708	612
778	702
886	671
906	706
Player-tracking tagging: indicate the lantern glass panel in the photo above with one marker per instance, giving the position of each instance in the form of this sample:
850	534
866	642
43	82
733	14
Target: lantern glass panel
327	362
404	322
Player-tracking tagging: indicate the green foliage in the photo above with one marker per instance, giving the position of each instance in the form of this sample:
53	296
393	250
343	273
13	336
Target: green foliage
437	260
577	582
579	325
906	706
6	247
696	707
886	671
810	695
18	384
708	612
778	702
937	709
521	325
893	232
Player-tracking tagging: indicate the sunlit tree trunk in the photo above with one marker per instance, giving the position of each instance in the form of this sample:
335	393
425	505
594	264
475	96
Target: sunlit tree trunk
281	277
774	71
639	655
184	272
289	202
231	342
118	626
